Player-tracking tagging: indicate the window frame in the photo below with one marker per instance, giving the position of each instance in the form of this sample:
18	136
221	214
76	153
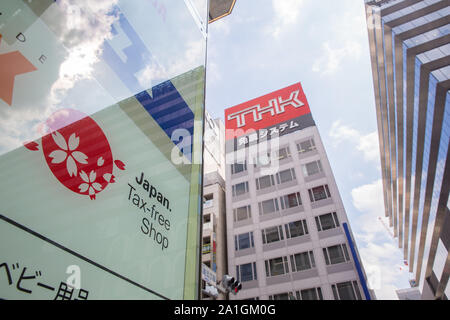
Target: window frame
237	241
318	166
239	273
258	182
342	250
355	290
312	195
292	174
288	230
264	234
285	200
317	291
334	218
310	148
261	206
233	167
287	153
246	187
284	262
310	258
248	213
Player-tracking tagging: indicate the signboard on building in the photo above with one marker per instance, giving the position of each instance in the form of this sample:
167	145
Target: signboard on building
208	275
266	117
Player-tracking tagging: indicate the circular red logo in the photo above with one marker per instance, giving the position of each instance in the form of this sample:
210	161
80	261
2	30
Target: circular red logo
77	152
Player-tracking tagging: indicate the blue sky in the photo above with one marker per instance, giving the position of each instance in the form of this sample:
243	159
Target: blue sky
265	45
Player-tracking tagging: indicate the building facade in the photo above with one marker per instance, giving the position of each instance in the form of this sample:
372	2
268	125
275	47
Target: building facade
287	231
214	253
409	46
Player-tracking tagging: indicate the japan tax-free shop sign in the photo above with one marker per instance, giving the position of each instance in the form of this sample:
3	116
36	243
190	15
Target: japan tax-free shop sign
94	207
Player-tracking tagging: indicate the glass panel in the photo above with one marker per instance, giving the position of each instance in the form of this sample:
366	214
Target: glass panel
276	266
309	294
319	193
306	146
246	272
238	167
312	168
272	234
283	153
302	261
265	182
296	229
356	287
105	95
326	221
269	206
242	213
281	296
336	255
244	241
292	200
285	176
240	188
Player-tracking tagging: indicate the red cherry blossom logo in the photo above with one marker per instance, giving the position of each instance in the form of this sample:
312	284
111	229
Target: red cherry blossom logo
77	152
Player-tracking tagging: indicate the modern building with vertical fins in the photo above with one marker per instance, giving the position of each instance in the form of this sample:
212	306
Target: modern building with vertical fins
287	231
410	47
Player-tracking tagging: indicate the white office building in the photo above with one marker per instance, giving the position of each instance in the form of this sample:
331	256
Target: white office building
288	235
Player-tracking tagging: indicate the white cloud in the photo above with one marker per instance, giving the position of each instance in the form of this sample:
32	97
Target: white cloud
333	55
82	26
366	144
286	13
188	59
344	37
221	26
382	259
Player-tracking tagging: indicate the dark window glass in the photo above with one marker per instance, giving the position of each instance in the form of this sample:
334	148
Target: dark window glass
309	294
246	272
345	290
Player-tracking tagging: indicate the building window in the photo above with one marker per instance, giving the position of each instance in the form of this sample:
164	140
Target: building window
246	272
272	234
319	193
286	176
346	291
336	254
291	200
240	189
306	146
265	182
238	167
302	261
244	241
268	206
283	153
242	213
207	218
262	160
312	168
310	294
276	266
296	229
282	296
327	221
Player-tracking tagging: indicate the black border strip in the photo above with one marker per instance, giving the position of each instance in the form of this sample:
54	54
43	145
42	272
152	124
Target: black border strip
34	233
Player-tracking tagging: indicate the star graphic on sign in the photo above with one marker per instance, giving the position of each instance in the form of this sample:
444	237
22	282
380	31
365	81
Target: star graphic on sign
11	65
